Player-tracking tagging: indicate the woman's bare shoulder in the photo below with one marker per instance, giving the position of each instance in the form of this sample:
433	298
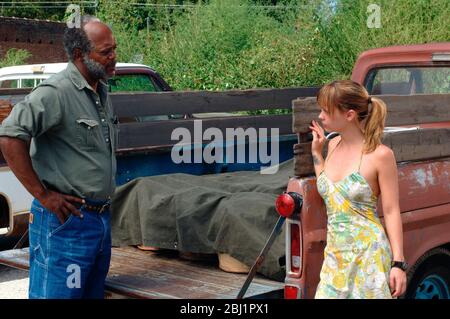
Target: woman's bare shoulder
383	155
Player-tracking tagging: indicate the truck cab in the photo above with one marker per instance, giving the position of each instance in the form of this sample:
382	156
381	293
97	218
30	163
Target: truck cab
405	70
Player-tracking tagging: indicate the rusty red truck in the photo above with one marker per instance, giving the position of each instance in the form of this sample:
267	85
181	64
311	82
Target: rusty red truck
414	81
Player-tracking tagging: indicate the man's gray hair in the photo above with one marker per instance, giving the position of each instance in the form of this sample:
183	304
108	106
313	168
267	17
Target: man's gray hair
76	38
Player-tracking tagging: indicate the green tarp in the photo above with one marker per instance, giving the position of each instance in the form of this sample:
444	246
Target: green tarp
230	213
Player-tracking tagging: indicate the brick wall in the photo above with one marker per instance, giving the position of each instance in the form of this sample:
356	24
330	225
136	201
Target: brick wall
43	39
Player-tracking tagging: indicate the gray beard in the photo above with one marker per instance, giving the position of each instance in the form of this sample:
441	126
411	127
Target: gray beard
95	69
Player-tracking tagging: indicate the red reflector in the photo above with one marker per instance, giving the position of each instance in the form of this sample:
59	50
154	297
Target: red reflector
295	248
290	292
285	205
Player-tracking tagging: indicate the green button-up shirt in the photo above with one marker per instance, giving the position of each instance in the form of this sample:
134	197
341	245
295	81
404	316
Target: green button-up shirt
73	134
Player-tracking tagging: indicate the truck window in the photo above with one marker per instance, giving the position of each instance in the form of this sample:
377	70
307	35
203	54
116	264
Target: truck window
409	80
436	80
28	83
133	83
138	83
9	84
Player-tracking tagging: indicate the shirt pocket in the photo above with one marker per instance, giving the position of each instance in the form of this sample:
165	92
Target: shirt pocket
88	132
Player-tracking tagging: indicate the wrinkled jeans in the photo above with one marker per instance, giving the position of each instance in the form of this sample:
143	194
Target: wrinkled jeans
69	260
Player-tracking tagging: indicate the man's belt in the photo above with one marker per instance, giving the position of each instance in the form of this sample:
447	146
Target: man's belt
95	206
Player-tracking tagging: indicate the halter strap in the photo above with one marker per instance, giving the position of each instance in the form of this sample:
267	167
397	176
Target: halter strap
329	156
360	161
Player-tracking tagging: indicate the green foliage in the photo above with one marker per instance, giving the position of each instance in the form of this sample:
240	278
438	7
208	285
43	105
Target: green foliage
239	44
14	57
53	10
223	45
338	41
229	44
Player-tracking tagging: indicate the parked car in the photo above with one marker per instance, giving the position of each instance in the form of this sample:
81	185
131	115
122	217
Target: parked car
129	77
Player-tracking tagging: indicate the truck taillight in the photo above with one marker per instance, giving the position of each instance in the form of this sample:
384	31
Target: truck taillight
288	204
295	248
291	292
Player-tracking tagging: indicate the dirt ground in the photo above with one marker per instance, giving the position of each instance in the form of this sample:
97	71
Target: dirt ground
13	283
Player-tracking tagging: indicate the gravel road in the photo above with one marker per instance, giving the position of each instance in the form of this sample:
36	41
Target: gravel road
13	283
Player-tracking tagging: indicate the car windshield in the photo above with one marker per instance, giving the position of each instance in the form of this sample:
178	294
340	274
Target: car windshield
409	80
20	83
133	83
138	83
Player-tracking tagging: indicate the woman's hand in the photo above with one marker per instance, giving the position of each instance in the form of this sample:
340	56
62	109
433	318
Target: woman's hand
318	138
397	282
317	147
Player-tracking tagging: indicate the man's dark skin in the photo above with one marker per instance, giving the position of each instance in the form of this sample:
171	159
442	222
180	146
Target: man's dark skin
17	151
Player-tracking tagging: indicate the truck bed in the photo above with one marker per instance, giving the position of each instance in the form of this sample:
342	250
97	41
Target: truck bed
142	274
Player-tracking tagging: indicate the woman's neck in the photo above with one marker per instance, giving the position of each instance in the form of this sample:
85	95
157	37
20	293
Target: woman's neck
351	137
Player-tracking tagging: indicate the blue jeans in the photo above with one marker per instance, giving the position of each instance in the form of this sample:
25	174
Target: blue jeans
69	260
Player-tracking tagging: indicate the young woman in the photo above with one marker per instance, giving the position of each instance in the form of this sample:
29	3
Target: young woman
360	260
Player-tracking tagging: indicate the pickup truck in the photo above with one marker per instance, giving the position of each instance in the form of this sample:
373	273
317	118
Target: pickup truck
414	81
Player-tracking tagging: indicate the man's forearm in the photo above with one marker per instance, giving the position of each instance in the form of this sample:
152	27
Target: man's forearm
16	153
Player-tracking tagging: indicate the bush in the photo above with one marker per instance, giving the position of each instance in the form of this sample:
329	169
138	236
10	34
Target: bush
14	57
233	44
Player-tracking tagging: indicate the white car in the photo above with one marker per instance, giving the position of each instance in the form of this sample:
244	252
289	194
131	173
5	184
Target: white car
29	76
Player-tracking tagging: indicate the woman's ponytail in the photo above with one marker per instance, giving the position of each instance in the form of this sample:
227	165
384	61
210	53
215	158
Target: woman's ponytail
373	129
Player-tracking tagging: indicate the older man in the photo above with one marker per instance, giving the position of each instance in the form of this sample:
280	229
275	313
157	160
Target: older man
69	123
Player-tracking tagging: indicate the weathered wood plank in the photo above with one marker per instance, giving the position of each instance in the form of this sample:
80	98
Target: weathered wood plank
13	96
411	145
22	91
419	145
189	102
304	110
158	133
402	110
5	109
134	104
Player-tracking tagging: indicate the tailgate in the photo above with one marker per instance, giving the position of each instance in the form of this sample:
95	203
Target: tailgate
143	274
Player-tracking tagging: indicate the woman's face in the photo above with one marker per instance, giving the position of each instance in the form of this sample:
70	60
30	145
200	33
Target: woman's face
334	122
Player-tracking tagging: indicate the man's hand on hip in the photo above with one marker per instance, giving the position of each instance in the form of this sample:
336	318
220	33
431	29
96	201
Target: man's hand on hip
61	205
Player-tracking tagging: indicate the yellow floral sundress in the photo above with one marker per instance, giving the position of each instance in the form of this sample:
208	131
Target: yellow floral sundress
357	257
